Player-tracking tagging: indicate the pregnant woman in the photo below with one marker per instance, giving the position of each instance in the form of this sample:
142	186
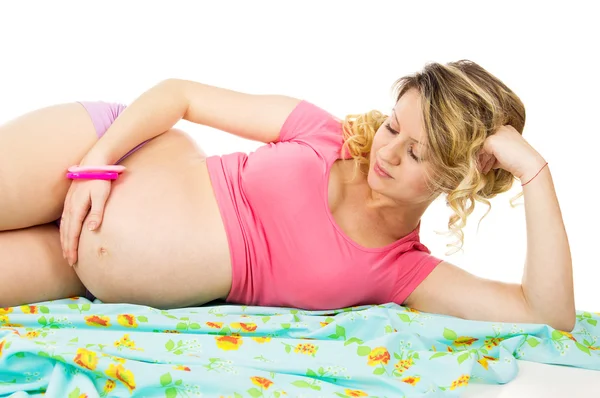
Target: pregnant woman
325	215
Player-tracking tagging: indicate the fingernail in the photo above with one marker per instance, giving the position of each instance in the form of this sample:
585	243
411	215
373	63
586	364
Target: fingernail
92	225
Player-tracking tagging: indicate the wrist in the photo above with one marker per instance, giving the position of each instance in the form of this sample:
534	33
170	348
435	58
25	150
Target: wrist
532	168
94	158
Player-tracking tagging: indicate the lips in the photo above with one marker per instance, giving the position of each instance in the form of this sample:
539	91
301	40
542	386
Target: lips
380	170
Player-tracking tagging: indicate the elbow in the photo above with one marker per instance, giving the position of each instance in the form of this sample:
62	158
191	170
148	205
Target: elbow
566	323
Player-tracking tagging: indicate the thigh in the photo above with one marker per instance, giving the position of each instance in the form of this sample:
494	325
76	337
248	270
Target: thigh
33	268
37	148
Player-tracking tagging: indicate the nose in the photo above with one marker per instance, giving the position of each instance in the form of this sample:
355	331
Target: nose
390	153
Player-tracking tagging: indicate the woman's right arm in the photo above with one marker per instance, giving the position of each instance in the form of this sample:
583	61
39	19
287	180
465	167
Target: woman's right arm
250	116
254	117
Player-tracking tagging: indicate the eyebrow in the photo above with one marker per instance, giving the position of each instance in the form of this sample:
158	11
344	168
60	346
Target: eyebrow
398	123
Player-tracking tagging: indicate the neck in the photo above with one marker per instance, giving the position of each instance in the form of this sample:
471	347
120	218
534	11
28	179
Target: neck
398	218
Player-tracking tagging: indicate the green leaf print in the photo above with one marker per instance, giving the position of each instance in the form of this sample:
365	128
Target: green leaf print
236	395
194	326
74	393
583	348
44	309
592	322
311	373
404	317
265	319
450	334
166	379
170	345
85	307
363	351
171	392
340	331
285	325
438	355
255	392
463	357
42	321
301	384
181	326
353	340
532	342
142	318
556	335
378	371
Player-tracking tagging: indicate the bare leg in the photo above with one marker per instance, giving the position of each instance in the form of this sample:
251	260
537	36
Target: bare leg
37	148
33	268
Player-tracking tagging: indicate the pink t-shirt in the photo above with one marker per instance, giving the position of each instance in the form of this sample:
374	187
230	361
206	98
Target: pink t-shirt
286	248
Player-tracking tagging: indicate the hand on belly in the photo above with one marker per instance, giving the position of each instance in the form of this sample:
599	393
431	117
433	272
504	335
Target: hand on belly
161	242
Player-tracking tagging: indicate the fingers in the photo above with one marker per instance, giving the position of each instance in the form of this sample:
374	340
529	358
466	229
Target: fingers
74	221
98	198
489	164
86	200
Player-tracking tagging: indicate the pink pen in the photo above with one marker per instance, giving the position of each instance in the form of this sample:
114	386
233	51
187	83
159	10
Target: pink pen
104	175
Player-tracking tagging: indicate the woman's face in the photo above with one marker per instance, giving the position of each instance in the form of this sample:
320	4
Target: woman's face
398	158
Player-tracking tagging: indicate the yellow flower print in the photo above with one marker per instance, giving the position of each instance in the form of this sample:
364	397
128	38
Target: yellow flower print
2	346
464	341
323	324
5	310
109	386
246	327
229	343
261	382
29	309
412	380
32	335
125	341
171	331
86	359
412	310
214	325
308	349
97	320
123	375
355	393
261	340
460	382
483	361
378	355
181	367
127	320
404	364
492	342
4	319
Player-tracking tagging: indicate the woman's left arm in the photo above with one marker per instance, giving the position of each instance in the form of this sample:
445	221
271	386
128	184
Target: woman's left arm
545	294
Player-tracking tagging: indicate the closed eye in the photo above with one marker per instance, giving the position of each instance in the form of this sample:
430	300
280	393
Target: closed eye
410	148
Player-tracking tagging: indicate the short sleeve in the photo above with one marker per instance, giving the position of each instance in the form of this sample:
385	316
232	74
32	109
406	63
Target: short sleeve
413	267
313	126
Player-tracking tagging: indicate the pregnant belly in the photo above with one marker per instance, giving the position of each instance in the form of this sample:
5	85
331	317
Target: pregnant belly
162	241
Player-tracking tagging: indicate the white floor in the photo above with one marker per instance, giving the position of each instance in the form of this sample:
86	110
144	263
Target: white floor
536	380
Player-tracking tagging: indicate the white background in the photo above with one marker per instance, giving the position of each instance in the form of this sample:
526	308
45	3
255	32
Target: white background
343	56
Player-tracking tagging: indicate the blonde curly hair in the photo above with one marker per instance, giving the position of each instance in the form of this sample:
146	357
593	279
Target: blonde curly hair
462	104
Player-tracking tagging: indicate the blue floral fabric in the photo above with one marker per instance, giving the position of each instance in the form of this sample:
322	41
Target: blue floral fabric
75	348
